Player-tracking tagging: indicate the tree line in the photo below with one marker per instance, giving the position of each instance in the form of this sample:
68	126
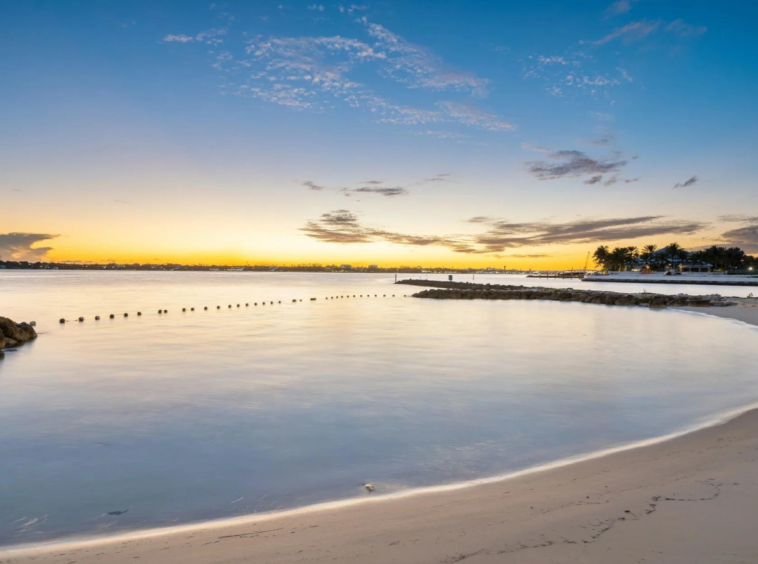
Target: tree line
671	256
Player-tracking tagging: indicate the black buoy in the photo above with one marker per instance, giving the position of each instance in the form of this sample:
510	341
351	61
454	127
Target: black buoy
206	308
62	320
81	319
126	315
160	311
184	309
113	316
255	304
97	318
246	305
192	309
230	306
218	307
238	305
294	301
139	313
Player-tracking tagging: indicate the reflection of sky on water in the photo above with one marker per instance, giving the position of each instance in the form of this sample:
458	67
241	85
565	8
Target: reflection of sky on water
200	415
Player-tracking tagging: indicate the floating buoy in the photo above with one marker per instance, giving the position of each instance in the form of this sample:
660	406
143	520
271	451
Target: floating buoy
230	306
313	299
255	304
280	301
192	309
62	320
218	307
126	315
184	309
139	313
272	303
160	311
246	305
81	319
238	305
294	301
206	308
113	316
97	318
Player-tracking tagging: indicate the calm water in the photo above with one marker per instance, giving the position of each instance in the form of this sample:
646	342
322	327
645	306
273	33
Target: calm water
208	414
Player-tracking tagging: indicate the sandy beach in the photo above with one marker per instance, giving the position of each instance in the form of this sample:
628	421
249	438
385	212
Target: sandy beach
688	500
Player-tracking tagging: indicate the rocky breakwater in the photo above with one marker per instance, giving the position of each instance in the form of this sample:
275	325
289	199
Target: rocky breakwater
13	334
441	290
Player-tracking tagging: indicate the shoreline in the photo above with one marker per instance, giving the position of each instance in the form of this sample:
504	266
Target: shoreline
31	551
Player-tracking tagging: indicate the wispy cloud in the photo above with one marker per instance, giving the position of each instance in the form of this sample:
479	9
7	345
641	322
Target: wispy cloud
344	227
681	29
313	186
532	147
209	37
631	32
686	183
21	246
574	164
744	237
314	72
573	72
380	190
618	8
417	67
469	114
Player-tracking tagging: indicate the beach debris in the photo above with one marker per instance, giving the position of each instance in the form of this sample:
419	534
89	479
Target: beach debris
369	487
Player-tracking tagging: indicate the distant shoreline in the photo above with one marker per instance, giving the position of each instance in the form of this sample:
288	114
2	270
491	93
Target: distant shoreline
674	280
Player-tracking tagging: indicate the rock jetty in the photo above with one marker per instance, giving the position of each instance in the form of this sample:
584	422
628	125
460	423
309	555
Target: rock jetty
13	334
443	290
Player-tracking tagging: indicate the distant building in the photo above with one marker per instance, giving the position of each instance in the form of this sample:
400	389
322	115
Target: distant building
346	267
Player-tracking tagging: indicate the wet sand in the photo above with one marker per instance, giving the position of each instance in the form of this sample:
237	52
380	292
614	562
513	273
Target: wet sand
746	310
689	500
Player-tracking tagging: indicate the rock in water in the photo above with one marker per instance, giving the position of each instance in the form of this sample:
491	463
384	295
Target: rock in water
12	333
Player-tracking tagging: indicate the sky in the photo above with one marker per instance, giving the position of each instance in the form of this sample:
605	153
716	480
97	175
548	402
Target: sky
457	133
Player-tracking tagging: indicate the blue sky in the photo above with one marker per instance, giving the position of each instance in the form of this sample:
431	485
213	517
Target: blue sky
375	132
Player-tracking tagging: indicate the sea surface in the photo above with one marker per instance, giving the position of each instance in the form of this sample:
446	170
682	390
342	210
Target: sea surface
161	419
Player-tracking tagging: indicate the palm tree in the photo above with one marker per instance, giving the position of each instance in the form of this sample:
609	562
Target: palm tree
648	254
601	256
672	252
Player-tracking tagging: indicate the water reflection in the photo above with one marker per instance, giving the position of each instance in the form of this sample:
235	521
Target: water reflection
147	421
